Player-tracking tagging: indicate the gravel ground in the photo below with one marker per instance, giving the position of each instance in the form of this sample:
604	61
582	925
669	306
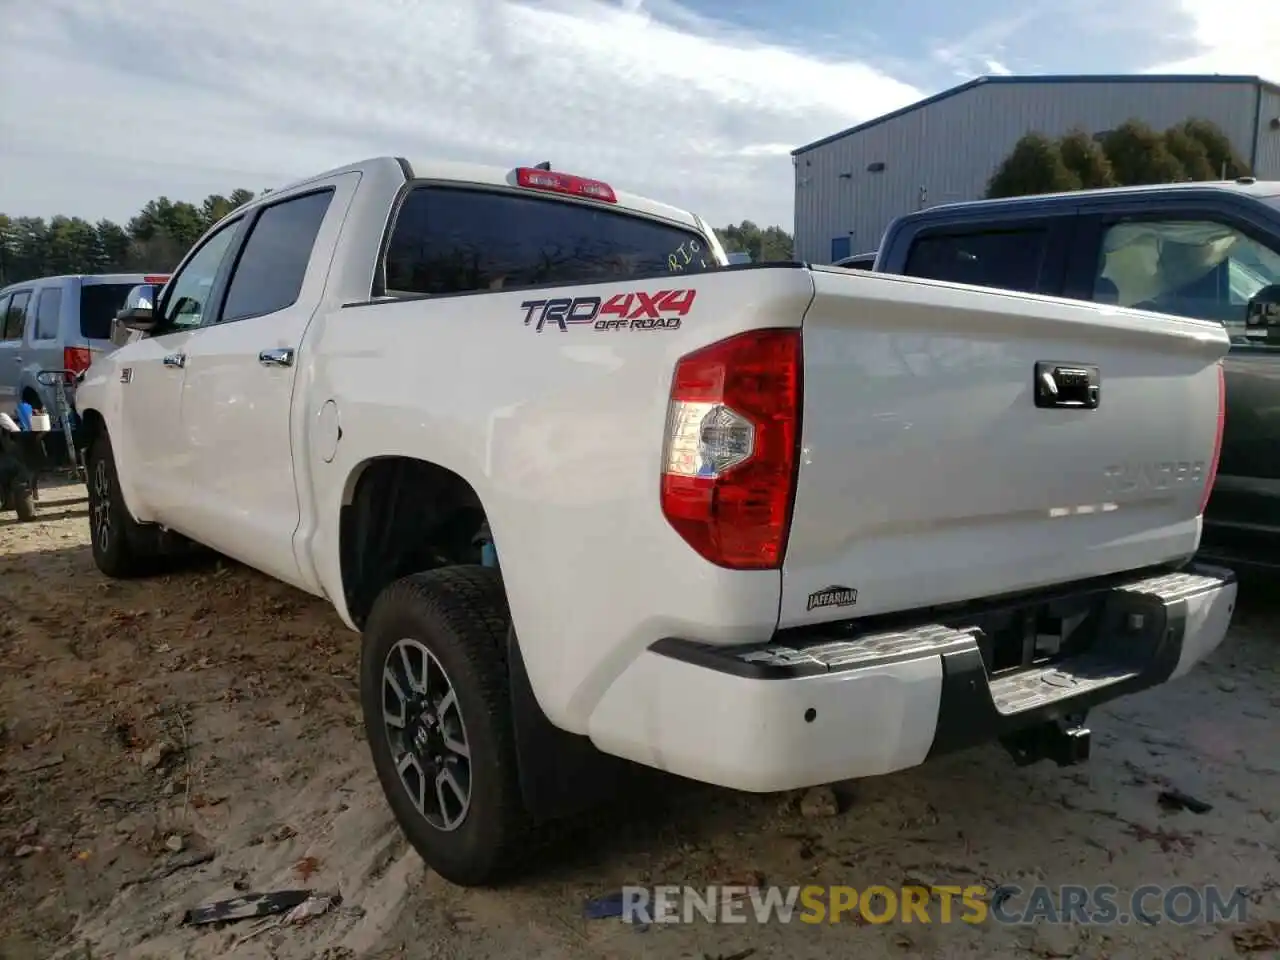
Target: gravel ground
173	741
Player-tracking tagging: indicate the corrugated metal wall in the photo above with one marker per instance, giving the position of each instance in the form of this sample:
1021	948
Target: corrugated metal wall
947	150
1267	166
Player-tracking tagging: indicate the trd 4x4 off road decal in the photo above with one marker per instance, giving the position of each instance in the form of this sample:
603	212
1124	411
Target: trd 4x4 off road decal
642	310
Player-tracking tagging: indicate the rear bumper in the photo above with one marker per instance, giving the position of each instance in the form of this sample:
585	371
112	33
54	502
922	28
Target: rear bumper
775	717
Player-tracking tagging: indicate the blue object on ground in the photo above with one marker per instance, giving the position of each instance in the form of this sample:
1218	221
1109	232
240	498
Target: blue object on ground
24	416
602	908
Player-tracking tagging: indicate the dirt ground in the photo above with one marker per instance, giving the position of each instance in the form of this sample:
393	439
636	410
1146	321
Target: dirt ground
169	742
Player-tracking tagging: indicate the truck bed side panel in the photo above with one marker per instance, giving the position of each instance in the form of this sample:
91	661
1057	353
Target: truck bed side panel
561	435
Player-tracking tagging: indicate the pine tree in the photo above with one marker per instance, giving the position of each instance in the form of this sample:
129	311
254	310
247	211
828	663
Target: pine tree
1221	155
1084	157
1191	153
1034	166
1138	155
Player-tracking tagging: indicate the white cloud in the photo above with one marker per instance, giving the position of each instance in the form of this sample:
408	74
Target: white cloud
1234	36
978	50
127	99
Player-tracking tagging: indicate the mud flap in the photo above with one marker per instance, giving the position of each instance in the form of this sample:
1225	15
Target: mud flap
561	774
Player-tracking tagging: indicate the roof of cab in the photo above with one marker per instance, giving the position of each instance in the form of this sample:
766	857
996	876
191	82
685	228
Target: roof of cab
483	175
1246	186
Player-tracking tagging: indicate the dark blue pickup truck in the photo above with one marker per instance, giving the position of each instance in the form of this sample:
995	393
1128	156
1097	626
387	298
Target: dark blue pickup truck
1208	250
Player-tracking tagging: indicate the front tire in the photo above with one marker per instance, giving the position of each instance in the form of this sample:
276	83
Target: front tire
123	548
437	712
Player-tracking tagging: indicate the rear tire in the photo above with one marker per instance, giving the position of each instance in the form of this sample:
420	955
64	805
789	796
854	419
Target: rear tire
123	548
437	710
24	503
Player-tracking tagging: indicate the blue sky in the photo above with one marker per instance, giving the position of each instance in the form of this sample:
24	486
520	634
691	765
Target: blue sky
105	104
933	44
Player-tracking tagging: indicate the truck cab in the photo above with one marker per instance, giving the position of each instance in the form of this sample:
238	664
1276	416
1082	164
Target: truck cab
1210	251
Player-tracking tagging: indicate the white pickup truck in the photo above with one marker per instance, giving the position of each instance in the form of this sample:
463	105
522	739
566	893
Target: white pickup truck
590	493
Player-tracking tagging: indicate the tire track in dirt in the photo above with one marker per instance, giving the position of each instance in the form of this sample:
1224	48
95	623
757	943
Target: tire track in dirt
211	709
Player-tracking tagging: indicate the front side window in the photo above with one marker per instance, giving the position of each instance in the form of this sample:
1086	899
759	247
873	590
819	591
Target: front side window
48	310
187	302
15	315
268	277
452	240
1189	268
1004	259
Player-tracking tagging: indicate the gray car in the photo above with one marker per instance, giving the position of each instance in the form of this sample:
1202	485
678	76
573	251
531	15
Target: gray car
56	323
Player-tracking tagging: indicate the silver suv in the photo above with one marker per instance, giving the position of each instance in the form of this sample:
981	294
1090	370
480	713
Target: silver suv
56	323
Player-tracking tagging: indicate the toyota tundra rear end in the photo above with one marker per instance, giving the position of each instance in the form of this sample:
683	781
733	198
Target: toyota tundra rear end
981	507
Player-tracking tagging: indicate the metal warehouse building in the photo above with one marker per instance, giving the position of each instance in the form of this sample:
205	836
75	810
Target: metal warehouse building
850	185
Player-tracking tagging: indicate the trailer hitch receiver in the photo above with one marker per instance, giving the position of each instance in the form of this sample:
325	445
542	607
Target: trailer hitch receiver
1065	742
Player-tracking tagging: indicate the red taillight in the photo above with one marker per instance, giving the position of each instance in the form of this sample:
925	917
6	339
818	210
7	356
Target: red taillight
76	359
731	453
1212	473
536	179
157	280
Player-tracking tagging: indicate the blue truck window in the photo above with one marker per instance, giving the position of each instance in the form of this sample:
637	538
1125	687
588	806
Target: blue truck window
1006	259
1187	268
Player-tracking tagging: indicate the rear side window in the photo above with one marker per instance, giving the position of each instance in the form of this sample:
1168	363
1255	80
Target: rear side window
48	309
269	274
15	316
1007	259
451	240
99	303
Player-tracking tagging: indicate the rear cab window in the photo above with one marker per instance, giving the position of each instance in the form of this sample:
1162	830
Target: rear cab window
48	312
269	273
451	240
1002	257
99	303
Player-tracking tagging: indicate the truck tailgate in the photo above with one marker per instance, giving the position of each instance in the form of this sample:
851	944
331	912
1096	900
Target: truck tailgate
931	474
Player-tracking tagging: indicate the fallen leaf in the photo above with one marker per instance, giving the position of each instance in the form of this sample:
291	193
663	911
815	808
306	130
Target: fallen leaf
1259	936
305	867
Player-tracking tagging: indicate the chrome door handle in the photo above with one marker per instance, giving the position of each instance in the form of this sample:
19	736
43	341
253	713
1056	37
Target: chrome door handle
276	357
176	360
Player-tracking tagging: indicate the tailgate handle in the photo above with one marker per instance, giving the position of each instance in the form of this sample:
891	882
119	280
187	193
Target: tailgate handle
1075	386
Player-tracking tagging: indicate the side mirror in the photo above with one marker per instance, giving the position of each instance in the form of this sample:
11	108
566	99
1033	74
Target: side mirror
138	312
1262	316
